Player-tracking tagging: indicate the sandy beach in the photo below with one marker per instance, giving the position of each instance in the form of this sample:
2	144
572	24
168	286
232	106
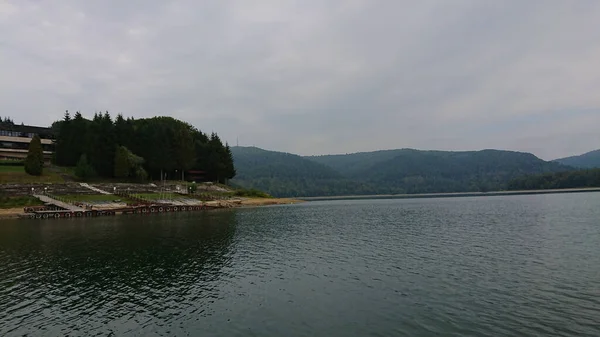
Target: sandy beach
10	213
268	201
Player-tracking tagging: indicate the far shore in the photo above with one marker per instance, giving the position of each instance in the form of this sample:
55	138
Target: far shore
452	195
11	213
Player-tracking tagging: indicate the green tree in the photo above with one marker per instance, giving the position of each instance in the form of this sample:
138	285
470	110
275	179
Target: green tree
128	164
78	133
122	166
102	144
64	141
183	147
161	145
124	131
34	162
227	158
84	170
215	166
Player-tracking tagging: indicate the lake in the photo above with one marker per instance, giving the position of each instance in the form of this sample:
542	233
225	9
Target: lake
487	266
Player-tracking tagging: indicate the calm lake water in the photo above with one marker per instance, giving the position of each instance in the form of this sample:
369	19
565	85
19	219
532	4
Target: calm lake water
493	266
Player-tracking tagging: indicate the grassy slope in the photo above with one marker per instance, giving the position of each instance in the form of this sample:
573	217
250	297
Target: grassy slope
17	175
15	202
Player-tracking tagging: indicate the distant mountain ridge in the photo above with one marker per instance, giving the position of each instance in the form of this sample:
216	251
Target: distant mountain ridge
587	160
384	172
283	174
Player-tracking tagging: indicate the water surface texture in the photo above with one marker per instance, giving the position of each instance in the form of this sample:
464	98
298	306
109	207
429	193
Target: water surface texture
491	266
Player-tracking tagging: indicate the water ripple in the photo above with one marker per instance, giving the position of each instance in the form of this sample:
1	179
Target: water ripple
497	266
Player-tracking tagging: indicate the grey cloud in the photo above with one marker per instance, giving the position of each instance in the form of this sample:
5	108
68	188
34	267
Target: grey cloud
315	77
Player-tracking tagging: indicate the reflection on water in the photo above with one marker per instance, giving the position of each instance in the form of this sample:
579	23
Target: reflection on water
86	275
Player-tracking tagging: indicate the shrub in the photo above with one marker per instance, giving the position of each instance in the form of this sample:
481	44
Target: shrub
34	163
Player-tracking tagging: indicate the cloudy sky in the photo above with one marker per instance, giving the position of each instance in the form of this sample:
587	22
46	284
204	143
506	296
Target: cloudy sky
316	77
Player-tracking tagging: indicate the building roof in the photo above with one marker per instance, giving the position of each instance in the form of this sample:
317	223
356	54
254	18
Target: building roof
41	131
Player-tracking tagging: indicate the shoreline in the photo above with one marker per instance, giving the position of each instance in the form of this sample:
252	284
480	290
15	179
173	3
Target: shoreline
453	194
17	212
11	213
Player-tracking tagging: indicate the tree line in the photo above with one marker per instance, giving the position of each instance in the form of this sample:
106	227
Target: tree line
560	180
157	148
384	172
6	121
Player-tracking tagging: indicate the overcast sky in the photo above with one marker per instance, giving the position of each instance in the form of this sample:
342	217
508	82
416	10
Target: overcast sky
317	77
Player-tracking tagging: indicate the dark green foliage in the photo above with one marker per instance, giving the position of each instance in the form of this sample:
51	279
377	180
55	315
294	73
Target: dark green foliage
6	121
121	163
64	141
102	144
283	174
384	172
586	160
128	165
162	145
560	180
251	193
228	167
413	171
34	163
84	169
219	160
351	164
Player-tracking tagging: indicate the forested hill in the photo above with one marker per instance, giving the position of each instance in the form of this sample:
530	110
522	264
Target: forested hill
285	174
350	164
138	148
390	171
586	160
558	180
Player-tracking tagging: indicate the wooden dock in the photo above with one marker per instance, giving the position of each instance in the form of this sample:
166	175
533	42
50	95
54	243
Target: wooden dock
60	209
48	200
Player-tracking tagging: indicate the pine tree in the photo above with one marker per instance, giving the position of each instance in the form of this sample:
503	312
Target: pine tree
34	163
227	158
183	147
79	130
64	142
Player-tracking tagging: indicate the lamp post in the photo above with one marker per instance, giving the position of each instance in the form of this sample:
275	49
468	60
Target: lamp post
45	190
